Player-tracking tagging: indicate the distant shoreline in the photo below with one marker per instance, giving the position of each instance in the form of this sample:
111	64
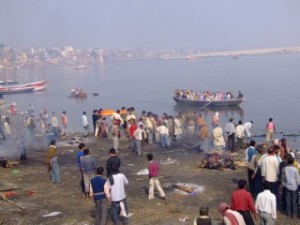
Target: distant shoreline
24	60
238	53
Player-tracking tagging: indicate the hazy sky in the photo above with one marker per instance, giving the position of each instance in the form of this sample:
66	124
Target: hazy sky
150	24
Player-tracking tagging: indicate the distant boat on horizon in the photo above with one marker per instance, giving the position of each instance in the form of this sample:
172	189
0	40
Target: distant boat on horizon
81	67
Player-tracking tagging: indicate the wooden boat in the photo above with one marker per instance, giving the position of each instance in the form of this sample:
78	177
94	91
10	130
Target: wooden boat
81	67
78	93
207	103
37	86
8	82
15	90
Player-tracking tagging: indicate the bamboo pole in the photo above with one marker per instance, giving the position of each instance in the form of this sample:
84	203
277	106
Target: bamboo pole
12	202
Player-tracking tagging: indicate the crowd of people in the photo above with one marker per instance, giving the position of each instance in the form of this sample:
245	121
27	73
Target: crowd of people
206	95
272	171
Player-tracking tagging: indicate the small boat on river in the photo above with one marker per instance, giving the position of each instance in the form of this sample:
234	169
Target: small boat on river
78	93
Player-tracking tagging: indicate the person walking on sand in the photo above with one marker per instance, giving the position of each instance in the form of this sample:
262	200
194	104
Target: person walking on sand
80	154
218	138
54	124
240	135
230	131
99	189
242	202
51	160
64	121
113	162
138	139
247	126
230	217
291	182
265	205
88	167
153	167
117	183
85	124
270	129
115	133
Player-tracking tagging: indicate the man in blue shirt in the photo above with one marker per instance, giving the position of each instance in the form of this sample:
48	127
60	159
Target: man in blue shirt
99	189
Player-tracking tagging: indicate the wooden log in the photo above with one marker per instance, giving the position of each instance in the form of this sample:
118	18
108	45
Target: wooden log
11	202
146	178
183	188
177	150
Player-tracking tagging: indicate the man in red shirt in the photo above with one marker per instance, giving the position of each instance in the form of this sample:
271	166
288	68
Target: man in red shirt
153	174
241	201
133	127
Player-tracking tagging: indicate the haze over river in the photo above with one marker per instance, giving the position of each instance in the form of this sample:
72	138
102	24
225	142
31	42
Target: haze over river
270	84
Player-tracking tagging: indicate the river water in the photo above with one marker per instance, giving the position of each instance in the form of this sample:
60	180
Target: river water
270	84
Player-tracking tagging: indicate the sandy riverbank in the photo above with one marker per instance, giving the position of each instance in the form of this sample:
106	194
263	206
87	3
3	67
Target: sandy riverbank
76	210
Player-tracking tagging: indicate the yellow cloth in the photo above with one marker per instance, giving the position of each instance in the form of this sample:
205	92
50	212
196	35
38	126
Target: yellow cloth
52	151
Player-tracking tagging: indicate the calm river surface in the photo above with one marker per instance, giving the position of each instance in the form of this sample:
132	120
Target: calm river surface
270	84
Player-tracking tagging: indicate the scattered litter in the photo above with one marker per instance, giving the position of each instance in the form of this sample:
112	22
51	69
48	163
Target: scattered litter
75	140
183	189
183	219
4	162
240	163
15	172
169	161
9	194
52	214
70	150
143	172
130	164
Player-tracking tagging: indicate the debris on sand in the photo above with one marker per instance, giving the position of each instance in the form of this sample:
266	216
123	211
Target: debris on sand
169	161
5	163
143	172
183	219
52	214
183	189
2	196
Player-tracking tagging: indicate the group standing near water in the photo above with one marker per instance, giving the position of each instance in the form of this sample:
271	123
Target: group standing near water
271	166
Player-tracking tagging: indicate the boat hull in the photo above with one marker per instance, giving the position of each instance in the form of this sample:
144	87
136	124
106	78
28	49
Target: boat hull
223	103
6	91
37	86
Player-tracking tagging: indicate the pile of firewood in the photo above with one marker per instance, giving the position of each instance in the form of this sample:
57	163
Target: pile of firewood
217	160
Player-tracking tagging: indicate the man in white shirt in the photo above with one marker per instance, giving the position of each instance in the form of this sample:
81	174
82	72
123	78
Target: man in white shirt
230	131
270	169
265	206
163	136
54	124
240	135
149	128
117	183
85	124
247	126
138	137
